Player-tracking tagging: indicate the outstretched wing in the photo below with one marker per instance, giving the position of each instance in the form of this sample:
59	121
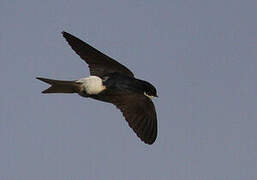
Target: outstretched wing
99	63
139	111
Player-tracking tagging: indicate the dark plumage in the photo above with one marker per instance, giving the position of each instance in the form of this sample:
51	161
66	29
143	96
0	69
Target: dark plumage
114	83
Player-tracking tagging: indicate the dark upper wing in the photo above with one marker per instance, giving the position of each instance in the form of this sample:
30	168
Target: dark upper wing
99	63
140	113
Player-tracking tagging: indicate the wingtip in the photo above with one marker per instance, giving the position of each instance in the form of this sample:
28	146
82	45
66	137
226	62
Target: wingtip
150	141
64	33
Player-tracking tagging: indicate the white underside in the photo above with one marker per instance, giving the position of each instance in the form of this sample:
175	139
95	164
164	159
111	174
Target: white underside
92	85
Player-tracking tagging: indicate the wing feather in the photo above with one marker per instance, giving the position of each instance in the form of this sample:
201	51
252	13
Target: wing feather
139	111
99	63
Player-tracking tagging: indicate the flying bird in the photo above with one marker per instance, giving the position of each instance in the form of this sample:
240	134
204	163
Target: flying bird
112	82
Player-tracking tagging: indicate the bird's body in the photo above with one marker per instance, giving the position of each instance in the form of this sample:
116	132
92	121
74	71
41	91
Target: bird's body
113	83
91	85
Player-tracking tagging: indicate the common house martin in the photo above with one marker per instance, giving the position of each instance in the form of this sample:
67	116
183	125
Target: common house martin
112	82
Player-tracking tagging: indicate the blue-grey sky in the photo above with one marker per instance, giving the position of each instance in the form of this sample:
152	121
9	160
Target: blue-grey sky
201	55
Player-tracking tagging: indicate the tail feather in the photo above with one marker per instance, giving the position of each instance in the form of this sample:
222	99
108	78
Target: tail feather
58	86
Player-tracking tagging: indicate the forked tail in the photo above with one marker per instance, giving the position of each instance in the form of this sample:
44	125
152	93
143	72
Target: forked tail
58	86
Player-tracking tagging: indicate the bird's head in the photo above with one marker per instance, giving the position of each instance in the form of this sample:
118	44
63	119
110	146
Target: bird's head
149	90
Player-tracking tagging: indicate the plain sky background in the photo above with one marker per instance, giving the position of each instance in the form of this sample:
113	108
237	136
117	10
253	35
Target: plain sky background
201	55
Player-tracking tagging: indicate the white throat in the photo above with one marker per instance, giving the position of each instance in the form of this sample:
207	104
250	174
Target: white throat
151	97
92	85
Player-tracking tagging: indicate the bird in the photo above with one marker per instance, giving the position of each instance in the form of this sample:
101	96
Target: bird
111	82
